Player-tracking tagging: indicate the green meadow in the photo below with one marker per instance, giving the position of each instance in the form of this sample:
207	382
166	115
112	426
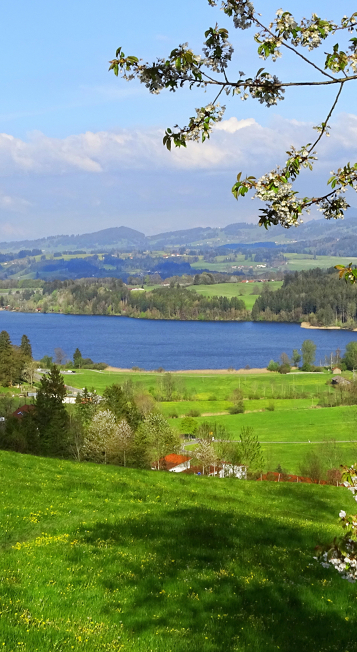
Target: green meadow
298	262
247	291
98	558
207	384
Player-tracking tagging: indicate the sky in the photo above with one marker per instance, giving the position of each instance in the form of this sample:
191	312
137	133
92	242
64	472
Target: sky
81	150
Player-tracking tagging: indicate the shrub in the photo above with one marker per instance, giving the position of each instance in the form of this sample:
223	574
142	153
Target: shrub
306	367
270	406
273	366
284	369
193	413
173	415
238	408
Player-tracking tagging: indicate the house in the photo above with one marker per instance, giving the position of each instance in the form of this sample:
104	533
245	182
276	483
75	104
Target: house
22	411
336	370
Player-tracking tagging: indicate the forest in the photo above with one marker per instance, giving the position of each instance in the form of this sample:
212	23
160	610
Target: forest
316	296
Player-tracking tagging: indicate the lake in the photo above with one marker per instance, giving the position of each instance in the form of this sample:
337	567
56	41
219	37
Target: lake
173	345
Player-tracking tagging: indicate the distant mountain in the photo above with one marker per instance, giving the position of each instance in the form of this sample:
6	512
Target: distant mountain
121	237
321	235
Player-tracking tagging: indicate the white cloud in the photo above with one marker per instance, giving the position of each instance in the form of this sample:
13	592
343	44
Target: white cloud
234	144
233	124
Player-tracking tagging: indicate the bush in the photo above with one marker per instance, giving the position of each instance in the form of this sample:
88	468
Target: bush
193	413
238	408
284	369
273	366
270	406
173	415
306	367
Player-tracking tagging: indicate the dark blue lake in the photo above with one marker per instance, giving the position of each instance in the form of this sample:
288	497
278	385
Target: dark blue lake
124	342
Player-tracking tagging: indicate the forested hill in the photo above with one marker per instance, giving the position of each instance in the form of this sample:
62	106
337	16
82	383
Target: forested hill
112	297
317	296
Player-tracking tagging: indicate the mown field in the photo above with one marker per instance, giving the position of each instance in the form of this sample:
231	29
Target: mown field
283	410
99	558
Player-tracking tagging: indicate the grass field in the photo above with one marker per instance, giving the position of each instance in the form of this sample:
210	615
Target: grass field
108	559
241	290
297	262
219	385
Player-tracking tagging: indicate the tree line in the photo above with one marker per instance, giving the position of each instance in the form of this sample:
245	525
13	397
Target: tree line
112	297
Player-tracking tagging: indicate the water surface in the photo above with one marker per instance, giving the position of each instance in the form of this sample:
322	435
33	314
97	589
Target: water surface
125	342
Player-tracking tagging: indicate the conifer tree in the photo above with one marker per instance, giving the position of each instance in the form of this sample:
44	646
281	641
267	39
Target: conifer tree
51	415
121	404
77	359
5	359
25	348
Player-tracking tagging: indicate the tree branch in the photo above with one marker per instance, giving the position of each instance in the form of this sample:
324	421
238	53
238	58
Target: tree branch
289	47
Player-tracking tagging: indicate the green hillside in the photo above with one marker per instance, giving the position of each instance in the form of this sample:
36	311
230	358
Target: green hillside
104	558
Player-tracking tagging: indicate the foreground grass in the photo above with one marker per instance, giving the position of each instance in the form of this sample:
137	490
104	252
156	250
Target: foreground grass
102	558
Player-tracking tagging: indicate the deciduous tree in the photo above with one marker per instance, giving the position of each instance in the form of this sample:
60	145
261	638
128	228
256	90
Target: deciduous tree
308	349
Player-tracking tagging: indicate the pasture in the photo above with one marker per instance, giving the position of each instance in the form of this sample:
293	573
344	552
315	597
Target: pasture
98	558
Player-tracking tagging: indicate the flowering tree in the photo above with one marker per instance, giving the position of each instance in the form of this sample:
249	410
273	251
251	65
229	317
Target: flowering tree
105	439
337	69
125	437
207	455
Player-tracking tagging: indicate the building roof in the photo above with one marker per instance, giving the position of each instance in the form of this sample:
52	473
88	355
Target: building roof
22	411
172	460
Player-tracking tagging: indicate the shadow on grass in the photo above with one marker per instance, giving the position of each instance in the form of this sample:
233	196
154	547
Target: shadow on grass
224	580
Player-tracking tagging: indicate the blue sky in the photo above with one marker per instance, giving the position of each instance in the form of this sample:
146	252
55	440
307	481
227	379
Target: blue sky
81	150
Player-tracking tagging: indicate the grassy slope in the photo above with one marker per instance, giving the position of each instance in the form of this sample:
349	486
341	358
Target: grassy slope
103	558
